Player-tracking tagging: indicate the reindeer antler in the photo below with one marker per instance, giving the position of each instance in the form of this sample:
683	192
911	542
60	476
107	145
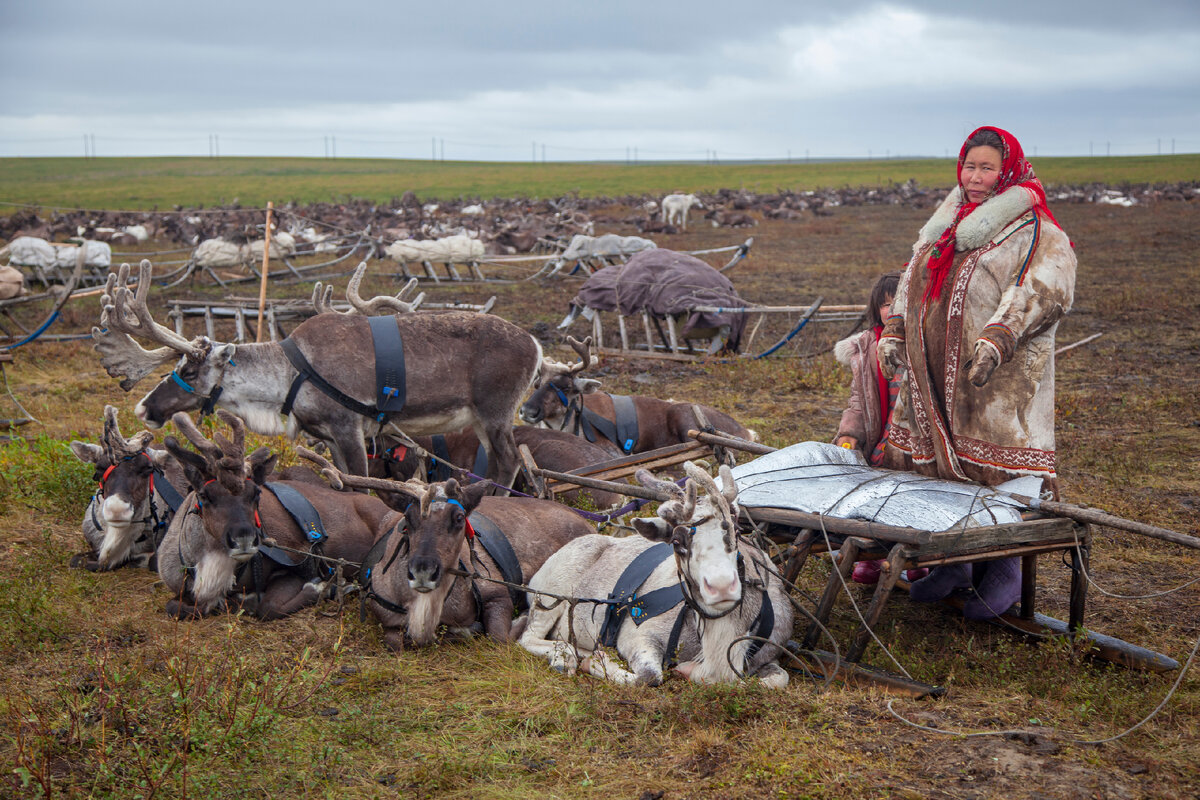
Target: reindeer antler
552	368
679	504
379	305
115	445
226	459
722	498
120	355
340	480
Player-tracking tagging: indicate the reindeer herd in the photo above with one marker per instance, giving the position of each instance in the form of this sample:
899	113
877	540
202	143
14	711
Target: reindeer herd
397	399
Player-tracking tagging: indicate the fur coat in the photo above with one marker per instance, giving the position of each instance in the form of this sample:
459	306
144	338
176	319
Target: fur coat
1013	278
861	419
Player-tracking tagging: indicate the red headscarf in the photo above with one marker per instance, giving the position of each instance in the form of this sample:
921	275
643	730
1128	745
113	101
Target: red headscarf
1015	171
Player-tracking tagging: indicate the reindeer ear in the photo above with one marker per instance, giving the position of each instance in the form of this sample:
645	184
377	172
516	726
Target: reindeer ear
87	453
261	462
195	469
655	529
586	385
473	493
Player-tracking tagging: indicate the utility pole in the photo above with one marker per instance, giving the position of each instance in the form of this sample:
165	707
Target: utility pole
543	152
443	143
333	146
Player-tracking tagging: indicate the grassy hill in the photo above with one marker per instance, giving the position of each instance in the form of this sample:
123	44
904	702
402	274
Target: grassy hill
147	183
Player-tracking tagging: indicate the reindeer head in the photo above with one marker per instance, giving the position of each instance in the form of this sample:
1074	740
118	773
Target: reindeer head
701	529
558	385
434	531
226	484
123	471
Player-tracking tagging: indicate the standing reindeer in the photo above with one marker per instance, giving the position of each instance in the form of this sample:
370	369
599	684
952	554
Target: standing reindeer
630	424
234	546
138	491
412	576
460	369
716	592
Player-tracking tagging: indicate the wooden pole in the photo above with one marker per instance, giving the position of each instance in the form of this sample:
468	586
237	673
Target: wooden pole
1097	517
266	264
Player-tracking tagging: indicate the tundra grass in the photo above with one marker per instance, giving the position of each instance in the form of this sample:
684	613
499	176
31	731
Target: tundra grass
148	183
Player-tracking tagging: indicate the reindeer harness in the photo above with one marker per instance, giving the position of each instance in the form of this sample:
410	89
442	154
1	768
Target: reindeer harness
391	388
623	432
624	600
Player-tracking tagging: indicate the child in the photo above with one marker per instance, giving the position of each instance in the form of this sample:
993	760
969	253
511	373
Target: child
865	422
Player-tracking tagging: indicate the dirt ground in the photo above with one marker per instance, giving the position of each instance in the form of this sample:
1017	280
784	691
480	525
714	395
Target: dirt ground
1129	441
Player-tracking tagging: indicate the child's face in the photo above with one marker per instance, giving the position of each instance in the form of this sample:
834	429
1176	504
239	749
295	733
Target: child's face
885	310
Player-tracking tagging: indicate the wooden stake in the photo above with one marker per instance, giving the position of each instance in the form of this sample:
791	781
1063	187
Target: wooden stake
266	264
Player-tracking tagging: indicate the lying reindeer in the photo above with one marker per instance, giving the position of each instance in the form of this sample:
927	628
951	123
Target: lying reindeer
411	576
137	494
224	551
629	424
694	607
553	450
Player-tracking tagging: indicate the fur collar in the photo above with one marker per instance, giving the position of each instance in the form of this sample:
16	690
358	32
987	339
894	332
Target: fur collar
845	349
983	224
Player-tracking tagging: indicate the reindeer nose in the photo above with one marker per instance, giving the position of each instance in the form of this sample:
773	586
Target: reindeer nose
116	510
424	573
531	415
723	589
242	541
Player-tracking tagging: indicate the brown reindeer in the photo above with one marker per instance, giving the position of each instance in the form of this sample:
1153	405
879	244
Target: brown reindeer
138	490
461	369
413	576
235	546
554	450
566	401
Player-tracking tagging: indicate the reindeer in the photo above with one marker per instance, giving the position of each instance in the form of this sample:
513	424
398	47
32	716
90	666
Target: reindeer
136	497
675	208
461	369
412	573
564	398
236	547
554	450
726	591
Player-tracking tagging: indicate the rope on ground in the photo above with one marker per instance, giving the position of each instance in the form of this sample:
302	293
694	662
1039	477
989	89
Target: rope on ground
973	734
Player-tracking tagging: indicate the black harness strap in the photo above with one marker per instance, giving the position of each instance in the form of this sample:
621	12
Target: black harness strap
481	461
169	493
368	570
302	512
501	550
623	597
307	373
439	470
763	625
389	363
623	433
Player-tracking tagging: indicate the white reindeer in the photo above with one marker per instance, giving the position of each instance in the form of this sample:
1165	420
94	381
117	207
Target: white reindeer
728	592
675	208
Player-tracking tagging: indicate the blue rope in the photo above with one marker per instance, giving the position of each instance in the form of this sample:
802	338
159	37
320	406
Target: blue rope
37	333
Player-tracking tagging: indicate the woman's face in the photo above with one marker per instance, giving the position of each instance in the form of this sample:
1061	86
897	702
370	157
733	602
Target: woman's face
980	171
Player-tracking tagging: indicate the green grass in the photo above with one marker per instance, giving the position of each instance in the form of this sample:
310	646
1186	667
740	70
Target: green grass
146	183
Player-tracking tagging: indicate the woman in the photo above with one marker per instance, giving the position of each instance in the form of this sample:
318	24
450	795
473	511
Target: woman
973	321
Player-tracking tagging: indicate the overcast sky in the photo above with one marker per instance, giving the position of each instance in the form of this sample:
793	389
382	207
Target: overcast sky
573	80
